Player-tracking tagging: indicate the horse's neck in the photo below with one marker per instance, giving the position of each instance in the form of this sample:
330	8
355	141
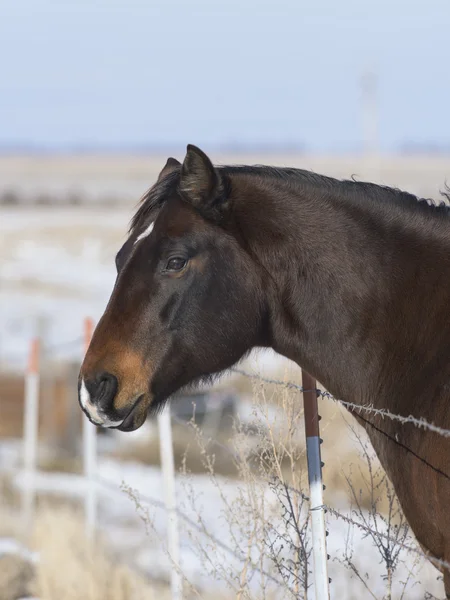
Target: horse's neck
362	310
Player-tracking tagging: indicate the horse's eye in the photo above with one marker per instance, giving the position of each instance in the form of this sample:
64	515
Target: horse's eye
176	264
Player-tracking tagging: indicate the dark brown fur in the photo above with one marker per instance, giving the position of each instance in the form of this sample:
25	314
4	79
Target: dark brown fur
350	280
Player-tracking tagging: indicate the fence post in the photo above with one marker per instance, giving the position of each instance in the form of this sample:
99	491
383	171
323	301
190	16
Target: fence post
69	440
317	509
30	434
89	454
168	472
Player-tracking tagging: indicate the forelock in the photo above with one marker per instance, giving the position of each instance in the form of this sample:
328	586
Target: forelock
154	198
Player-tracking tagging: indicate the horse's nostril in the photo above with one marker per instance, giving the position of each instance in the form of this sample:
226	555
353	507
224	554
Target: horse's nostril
103	386
102	389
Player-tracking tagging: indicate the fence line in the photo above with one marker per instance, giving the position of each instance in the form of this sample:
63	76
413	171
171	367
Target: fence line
327	507
421	423
316	504
168	471
30	432
90	453
437	562
291	385
359	408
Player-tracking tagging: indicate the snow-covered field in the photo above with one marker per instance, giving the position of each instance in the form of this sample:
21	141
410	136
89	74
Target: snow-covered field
56	267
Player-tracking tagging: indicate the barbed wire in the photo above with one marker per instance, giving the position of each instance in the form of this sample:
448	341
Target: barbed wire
437	562
333	511
442	563
393	439
384	413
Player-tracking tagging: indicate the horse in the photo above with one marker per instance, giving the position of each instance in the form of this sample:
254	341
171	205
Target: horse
351	280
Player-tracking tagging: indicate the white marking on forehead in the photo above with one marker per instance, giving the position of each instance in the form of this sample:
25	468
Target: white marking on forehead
145	233
95	415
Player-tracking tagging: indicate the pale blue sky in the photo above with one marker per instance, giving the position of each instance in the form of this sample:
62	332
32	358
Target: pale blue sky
130	72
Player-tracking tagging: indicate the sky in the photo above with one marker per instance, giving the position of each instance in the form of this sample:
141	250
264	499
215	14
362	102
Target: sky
130	73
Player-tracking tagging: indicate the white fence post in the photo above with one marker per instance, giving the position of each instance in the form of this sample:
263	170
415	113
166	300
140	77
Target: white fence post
317	508
89	454
30	434
168	472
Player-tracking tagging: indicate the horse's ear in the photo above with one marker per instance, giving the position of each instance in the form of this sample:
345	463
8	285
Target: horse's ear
201	183
171	165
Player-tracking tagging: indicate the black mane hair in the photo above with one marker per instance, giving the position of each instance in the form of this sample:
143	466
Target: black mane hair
157	194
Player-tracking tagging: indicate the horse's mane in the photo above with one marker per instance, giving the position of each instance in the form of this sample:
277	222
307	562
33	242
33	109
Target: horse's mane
159	192
347	187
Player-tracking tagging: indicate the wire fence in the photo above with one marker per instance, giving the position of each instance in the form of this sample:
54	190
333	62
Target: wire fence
294	386
420	423
360	524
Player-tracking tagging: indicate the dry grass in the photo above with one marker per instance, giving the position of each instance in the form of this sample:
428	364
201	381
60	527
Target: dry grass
268	532
345	462
58	463
16	577
187	453
70	568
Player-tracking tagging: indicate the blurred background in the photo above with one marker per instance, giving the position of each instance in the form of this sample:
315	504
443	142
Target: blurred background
94	96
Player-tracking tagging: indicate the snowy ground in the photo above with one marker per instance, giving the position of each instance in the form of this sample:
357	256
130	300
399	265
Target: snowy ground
205	501
56	267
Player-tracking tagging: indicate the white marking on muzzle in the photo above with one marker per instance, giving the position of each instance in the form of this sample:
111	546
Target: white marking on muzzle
145	233
96	416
